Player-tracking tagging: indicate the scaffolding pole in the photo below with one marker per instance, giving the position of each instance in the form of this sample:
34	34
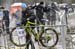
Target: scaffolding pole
63	32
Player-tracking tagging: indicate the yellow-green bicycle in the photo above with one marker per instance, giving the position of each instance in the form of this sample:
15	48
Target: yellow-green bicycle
47	37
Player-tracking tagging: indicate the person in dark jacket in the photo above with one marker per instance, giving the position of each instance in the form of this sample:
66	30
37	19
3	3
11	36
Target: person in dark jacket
40	12
51	13
28	15
39	8
6	19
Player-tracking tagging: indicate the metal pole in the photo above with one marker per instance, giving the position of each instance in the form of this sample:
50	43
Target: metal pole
63	32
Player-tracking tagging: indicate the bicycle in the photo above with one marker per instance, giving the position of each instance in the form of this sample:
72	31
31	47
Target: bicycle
44	37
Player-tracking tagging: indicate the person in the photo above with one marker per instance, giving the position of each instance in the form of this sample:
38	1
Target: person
1	19
47	11
39	12
51	13
54	8
39	7
19	14
6	20
28	15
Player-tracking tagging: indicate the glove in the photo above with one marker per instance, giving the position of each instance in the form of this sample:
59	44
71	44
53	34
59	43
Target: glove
28	19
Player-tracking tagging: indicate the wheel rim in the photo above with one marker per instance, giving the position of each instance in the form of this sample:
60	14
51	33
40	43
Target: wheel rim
51	40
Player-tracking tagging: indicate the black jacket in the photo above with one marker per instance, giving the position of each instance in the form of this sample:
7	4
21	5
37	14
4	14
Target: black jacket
6	17
27	14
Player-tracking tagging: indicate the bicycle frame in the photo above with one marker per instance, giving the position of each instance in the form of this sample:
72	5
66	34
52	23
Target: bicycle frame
29	30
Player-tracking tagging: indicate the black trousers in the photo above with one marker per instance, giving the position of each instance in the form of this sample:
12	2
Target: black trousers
30	42
7	27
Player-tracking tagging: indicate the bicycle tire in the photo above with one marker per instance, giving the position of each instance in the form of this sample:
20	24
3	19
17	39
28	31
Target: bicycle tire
11	39
55	41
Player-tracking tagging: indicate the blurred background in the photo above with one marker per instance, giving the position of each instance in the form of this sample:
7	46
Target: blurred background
7	3
61	14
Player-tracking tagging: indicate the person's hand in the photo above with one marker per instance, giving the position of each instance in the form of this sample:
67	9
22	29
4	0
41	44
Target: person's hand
28	19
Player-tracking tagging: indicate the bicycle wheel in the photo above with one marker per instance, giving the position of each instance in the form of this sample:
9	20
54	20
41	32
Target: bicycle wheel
18	37
49	37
